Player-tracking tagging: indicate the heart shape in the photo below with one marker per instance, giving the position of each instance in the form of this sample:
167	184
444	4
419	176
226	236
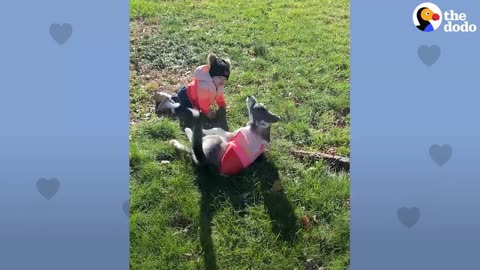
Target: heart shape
61	33
440	154
48	187
408	216
429	54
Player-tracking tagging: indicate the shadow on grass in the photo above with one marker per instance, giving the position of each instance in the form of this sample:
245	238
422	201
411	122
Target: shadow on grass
241	191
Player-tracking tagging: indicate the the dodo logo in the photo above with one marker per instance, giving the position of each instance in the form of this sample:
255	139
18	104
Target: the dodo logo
427	17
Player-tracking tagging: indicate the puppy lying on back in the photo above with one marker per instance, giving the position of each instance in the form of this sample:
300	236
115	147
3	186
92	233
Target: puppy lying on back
230	152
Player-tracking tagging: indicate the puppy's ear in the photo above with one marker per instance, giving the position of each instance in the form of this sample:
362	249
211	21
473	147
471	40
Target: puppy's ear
229	62
211	59
251	102
273	118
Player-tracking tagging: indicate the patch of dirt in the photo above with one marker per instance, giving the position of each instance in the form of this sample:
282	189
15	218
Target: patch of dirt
163	80
331	151
140	28
147	78
182	224
340	117
168	79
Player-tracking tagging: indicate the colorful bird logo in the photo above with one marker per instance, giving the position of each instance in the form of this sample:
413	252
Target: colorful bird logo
425	16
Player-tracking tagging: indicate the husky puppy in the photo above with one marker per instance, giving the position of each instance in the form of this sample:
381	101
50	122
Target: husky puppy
228	153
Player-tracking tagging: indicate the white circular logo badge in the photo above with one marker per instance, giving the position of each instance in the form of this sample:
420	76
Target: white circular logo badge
427	17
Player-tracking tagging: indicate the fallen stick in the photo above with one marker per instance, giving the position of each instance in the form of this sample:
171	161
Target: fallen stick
342	163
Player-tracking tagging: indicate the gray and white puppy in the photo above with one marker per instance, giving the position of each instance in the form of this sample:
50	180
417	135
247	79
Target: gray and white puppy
209	146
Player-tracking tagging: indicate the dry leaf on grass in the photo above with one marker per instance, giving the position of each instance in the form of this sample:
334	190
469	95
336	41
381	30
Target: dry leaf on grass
306	222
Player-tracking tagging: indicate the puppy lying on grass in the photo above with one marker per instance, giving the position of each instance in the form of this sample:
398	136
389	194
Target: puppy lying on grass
228	153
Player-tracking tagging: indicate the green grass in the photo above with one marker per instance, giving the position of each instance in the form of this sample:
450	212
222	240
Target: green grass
293	56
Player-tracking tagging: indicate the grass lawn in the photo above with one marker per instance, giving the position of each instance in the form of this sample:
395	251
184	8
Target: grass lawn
293	56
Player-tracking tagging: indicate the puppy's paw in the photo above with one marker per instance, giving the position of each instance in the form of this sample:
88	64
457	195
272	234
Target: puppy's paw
189	133
173	142
195	113
172	105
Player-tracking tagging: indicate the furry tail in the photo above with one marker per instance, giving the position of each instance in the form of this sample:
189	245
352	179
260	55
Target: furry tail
197	138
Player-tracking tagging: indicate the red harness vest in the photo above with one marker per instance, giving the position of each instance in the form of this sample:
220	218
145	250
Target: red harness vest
242	151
